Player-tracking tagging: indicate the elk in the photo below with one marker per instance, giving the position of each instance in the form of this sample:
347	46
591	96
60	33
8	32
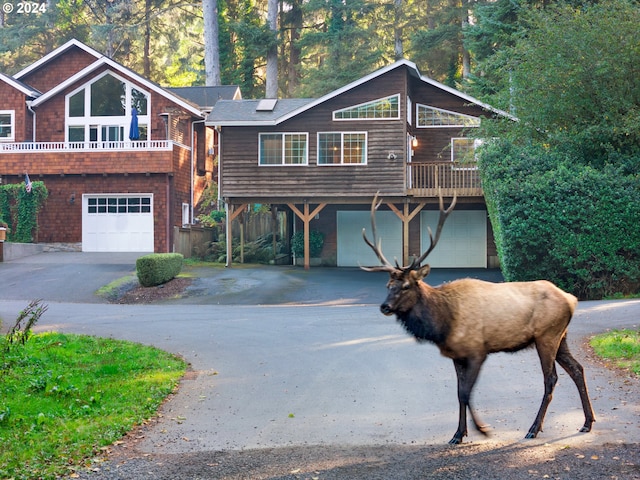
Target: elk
469	319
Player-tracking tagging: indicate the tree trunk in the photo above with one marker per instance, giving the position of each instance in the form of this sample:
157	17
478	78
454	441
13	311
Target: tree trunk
211	45
398	49
272	55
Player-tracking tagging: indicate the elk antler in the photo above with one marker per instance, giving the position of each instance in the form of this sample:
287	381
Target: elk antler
443	216
377	247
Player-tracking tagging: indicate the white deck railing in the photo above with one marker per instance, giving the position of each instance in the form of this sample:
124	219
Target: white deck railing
86	146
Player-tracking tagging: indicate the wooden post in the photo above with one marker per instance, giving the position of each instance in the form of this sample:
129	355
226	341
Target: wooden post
406	218
306	218
232	212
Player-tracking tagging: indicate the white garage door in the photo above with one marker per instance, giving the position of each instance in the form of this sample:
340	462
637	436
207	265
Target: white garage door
117	223
463	242
353	252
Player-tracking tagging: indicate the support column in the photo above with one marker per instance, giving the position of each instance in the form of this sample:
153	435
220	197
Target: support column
406	218
232	213
306	218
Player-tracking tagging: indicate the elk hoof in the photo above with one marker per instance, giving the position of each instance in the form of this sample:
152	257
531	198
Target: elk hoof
531	435
586	428
455	441
484	430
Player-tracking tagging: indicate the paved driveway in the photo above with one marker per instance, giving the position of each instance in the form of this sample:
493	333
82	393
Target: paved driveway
316	364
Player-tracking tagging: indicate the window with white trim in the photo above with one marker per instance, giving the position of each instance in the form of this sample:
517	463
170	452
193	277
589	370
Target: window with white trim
7	125
387	108
101	111
342	148
283	149
432	117
118	204
463	153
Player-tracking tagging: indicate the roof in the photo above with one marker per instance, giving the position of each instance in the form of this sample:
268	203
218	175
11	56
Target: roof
207	97
122	69
18	85
244	112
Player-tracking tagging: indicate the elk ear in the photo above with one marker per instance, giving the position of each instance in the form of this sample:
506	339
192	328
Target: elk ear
421	273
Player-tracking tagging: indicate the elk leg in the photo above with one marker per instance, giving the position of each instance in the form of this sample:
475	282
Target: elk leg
576	372
547	360
467	370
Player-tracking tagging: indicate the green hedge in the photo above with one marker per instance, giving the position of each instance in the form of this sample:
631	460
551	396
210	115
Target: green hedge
158	268
19	209
557	219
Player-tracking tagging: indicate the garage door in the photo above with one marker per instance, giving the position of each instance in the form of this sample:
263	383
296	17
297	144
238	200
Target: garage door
353	252
117	223
463	242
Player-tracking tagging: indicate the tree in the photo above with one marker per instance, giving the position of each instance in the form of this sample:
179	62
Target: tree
272	53
211	44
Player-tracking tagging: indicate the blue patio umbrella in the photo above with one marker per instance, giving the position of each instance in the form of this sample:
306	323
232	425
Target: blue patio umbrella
134	131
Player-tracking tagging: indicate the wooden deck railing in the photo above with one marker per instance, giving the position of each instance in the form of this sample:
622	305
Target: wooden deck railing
19	147
426	179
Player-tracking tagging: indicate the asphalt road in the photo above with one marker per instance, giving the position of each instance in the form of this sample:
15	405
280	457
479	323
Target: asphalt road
318	364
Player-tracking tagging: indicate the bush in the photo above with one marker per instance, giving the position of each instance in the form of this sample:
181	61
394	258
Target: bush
557	219
158	268
316	242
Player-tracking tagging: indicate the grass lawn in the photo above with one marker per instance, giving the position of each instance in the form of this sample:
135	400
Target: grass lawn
62	397
620	347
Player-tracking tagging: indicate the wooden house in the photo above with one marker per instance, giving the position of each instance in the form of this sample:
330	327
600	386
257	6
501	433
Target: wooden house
120	156
395	132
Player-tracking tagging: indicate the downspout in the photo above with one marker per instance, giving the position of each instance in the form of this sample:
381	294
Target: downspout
33	133
192	165
219	131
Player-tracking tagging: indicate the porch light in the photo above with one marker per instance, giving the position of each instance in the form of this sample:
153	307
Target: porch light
414	142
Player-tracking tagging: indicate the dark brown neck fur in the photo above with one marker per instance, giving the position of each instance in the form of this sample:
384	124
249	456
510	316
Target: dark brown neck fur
429	318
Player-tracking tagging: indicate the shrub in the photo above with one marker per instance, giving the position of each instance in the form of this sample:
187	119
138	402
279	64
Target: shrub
557	219
316	242
158	268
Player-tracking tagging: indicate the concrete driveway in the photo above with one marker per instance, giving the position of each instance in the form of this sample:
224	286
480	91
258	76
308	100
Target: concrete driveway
317	364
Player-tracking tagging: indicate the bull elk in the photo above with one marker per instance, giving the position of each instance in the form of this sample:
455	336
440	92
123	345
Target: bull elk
468	319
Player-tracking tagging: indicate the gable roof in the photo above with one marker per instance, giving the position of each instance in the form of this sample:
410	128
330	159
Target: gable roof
122	69
18	85
207	96
229	117
56	53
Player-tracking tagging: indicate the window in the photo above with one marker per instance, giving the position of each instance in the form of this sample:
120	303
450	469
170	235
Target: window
342	148
7	132
430	117
283	149
117	204
101	111
380	109
463	153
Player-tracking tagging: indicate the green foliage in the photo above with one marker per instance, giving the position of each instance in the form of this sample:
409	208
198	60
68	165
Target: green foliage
316	242
620	346
63	397
158	268
19	209
557	219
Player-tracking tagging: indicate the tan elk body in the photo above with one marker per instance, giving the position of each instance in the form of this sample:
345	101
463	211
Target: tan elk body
468	319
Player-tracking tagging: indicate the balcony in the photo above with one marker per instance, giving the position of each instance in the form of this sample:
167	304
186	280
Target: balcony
427	179
137	145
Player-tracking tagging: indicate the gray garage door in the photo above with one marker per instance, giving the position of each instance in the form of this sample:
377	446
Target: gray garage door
353	252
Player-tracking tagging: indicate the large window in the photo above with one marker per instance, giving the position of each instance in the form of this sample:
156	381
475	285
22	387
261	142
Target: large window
102	110
463	153
7	130
381	109
342	148
430	117
283	149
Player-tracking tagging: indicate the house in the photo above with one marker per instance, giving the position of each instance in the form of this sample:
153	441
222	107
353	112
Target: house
123	159
395	132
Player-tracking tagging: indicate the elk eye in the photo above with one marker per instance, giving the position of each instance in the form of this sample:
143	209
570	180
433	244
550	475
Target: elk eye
406	286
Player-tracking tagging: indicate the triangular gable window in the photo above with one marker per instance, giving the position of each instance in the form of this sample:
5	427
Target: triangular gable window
429	117
387	108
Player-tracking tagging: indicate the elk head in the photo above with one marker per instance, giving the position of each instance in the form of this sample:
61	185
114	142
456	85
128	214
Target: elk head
401	292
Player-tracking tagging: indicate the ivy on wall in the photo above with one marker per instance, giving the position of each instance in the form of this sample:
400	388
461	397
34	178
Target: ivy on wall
19	209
